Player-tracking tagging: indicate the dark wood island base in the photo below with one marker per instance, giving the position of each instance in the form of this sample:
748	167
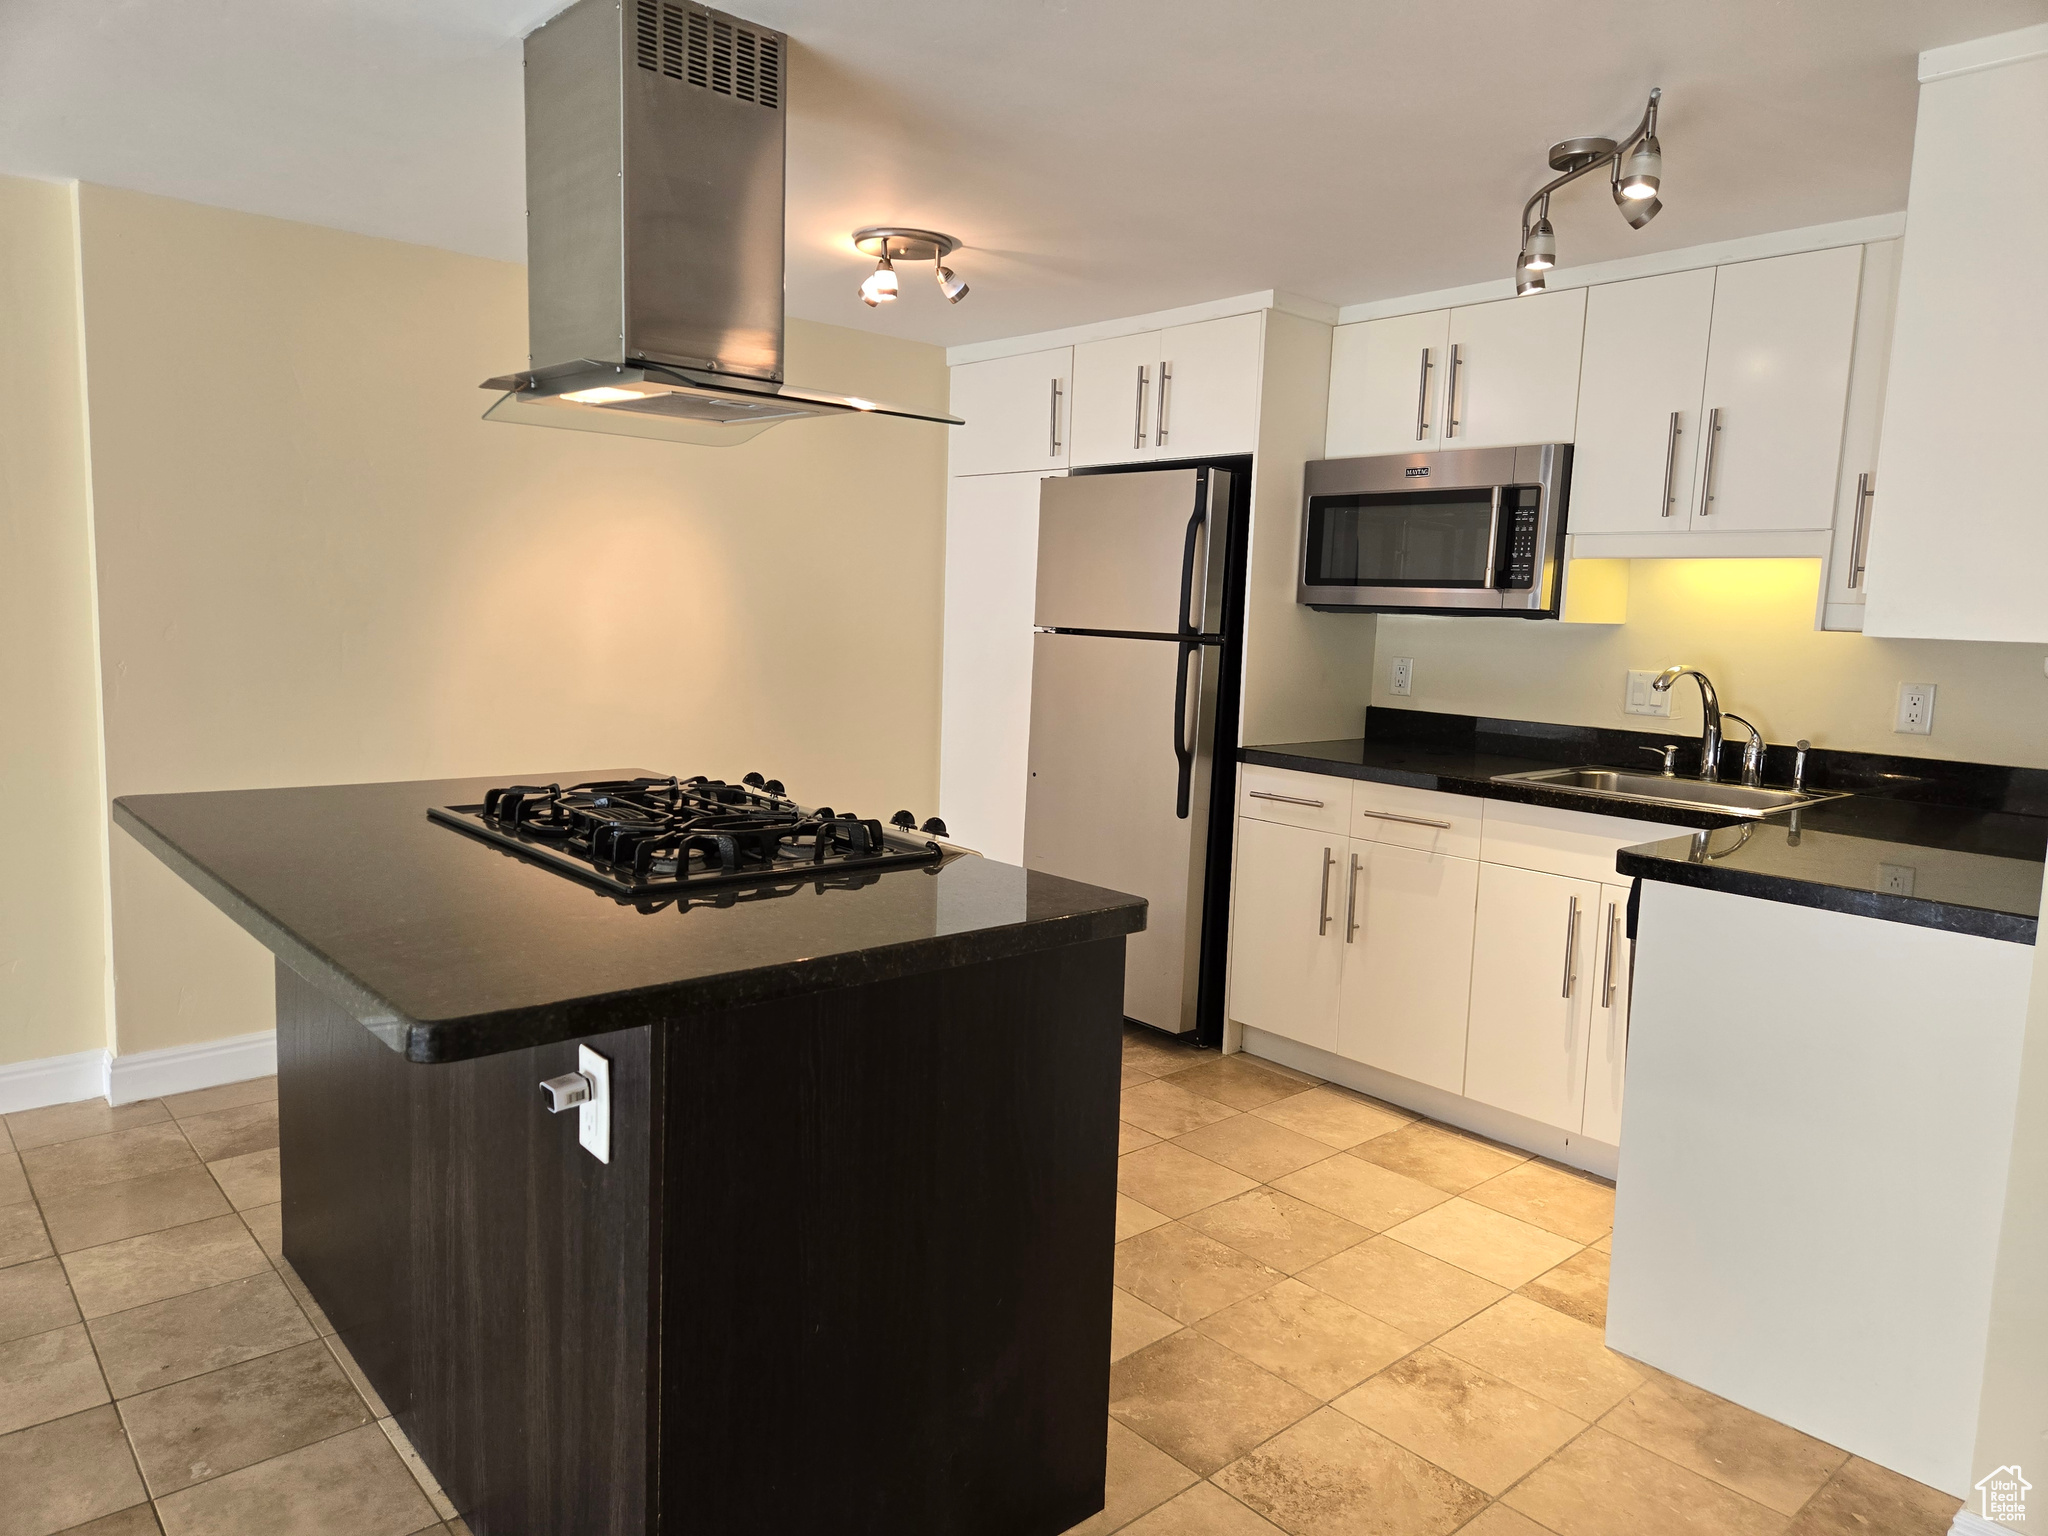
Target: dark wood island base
847	1270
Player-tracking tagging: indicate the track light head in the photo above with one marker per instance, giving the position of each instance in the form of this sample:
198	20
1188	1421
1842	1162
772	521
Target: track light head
1528	279
949	285
1638	211
1540	253
1639	182
880	286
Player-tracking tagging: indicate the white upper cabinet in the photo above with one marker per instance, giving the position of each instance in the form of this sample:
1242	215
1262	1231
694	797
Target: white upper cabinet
1856	484
1639	403
1016	413
1957	539
1186	392
1777	383
1512	372
1386	384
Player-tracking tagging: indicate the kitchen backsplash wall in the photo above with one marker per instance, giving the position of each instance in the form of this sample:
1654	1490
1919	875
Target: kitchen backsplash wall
317	564
1749	625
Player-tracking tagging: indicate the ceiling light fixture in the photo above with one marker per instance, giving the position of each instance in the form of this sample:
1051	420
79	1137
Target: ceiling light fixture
1635	186
890	244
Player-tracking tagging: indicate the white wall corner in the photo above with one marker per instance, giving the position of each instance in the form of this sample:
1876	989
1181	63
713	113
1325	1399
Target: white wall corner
1968	1523
52	1080
1984	53
182	1068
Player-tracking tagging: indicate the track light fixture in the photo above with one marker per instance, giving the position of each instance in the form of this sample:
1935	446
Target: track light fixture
889	244
1635	185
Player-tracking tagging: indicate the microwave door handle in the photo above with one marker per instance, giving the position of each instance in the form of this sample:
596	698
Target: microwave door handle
1493	541
1183	749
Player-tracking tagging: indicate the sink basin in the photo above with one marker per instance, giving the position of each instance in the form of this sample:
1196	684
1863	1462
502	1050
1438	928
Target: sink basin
1656	789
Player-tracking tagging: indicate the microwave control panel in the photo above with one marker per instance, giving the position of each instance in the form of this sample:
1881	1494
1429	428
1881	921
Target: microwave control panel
1520	559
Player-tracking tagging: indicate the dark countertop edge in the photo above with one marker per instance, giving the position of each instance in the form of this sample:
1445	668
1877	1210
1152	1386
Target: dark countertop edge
1492	789
1950	917
430	1041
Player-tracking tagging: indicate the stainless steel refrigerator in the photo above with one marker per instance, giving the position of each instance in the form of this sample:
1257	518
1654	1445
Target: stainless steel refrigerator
1132	639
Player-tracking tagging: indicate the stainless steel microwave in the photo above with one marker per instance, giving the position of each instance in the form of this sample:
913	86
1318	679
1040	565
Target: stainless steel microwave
1466	531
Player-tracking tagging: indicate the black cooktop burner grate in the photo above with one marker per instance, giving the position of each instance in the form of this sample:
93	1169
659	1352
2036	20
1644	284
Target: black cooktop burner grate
655	835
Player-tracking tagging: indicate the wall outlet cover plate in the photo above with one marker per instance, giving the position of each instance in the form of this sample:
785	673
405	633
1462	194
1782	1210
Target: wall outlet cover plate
1916	710
1403	676
594	1118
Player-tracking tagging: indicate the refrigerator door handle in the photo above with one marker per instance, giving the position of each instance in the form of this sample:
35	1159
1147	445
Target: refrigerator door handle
1196	520
1183	749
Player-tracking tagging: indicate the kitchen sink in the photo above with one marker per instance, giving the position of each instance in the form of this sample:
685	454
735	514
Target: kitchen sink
1656	789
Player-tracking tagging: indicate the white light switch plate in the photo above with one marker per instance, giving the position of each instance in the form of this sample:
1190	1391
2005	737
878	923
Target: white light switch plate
1642	699
594	1119
1916	709
1403	675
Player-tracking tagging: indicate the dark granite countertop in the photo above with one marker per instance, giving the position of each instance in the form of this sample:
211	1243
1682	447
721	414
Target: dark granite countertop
1974	836
448	947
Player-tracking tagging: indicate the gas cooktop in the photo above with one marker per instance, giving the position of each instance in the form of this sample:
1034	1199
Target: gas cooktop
665	836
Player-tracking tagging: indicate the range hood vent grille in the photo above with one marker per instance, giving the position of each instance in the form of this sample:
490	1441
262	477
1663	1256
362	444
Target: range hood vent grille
686	43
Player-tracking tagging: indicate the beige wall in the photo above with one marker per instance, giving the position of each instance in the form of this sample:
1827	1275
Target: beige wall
52	959
318	565
1749	625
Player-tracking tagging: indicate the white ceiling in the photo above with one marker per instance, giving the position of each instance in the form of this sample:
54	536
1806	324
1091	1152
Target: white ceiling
1099	157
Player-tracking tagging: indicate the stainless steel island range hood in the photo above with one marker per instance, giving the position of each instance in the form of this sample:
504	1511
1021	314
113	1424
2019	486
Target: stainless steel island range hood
654	209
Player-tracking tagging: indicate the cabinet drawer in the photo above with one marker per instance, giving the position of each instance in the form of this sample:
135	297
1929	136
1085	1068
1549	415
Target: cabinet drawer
1571	843
1417	818
1294	799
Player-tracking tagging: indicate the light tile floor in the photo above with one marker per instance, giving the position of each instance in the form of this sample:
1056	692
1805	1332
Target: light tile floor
1331	1318
162	1370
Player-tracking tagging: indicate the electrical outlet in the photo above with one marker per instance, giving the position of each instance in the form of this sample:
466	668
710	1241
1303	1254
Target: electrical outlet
1642	699
1404	670
1916	709
594	1115
1895	879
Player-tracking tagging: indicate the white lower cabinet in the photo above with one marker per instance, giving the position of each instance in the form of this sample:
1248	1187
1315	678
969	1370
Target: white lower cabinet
1407	961
1607	1040
1287	939
1532	982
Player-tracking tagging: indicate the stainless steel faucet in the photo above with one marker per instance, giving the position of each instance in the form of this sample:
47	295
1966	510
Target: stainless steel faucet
1752	750
1710	706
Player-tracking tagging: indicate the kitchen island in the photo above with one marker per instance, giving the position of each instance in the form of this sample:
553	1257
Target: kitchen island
848	1264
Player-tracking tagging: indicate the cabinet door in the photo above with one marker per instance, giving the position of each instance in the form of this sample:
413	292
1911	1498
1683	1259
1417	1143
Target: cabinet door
1116	383
1777	383
985	716
1386	384
1856	488
1286	931
1514	373
1408	962
1207	399
1607	1041
1639	403
1015	410
1532	981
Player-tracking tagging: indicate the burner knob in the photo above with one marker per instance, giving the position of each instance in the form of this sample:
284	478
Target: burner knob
755	780
904	820
774	787
935	827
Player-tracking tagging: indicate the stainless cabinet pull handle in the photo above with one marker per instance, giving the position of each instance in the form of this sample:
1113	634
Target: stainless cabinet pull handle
1422	399
1267	794
1571	948
1670	462
1351	902
1858	532
1055	419
1607	978
1451	394
1165	385
1323	908
1138	424
1413	821
1707	480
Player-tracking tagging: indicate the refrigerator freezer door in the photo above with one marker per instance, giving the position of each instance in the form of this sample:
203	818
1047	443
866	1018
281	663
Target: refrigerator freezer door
1100	805
1119	552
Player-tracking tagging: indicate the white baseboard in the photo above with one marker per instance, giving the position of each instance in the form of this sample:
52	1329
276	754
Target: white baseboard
52	1080
1968	1524
1596	1157
182	1068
